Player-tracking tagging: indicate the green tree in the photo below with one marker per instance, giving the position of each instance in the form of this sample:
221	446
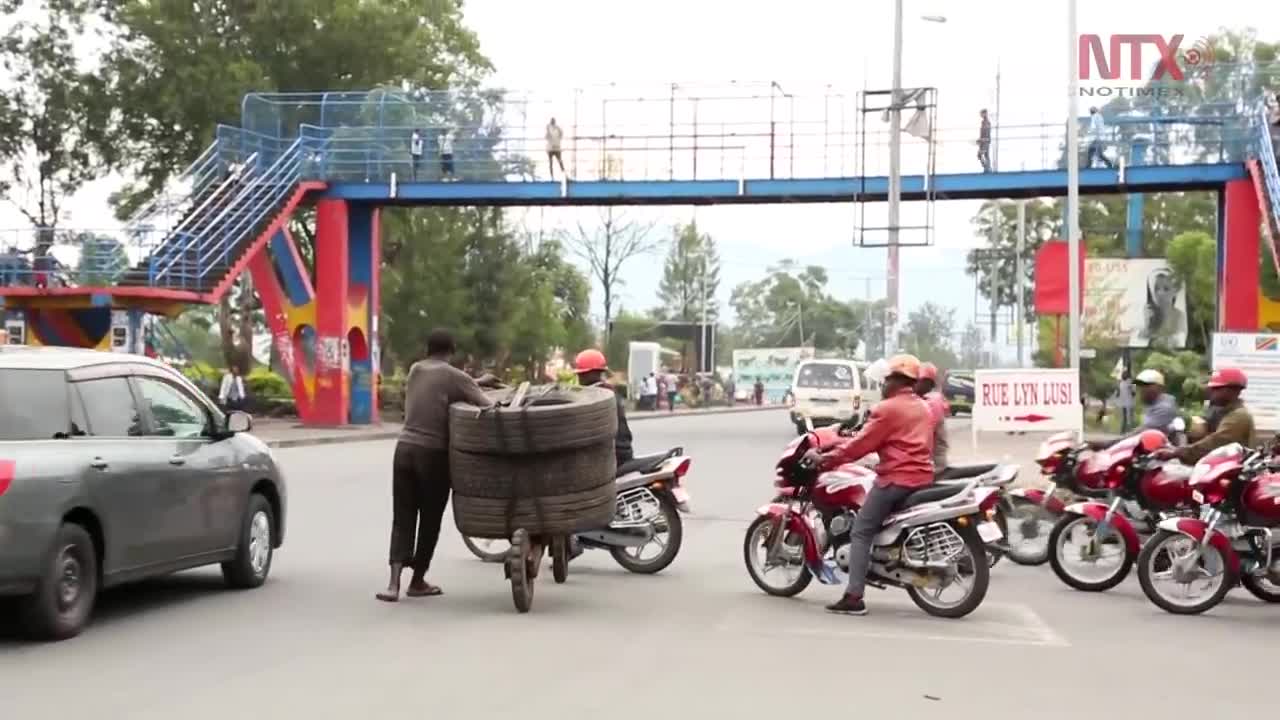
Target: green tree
102	259
691	277
771	312
54	114
1193	256
927	334
973	346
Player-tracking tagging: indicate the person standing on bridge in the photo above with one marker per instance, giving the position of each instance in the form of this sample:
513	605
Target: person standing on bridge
420	481
415	152
446	154
1097	136
554	136
984	142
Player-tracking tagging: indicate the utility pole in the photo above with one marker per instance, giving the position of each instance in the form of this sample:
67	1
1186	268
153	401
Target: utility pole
1073	188
867	342
702	347
895	168
995	276
1020	281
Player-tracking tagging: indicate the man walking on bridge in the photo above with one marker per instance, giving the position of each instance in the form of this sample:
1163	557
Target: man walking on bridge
984	142
554	136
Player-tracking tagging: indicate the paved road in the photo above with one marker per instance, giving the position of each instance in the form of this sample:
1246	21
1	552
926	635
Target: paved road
696	641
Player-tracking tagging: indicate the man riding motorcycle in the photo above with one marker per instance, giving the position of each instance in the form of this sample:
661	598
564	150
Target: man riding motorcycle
591	367
1160	408
939	408
1229	420
901	433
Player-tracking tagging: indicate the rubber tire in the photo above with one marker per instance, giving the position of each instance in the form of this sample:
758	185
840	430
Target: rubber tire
38	612
981	580
1144	560
489	557
1252	584
1056	562
560	559
557	418
795	588
561	514
238	572
555	473
518	571
675	537
1024	560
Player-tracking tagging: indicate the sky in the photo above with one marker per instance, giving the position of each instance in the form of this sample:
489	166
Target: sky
548	49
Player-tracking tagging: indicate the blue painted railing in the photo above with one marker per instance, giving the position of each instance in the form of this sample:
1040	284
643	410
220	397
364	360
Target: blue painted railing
1270	173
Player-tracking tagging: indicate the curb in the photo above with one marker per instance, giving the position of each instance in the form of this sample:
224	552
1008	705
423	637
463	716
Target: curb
357	436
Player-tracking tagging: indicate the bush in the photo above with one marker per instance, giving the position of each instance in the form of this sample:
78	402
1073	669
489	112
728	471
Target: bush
391	391
204	376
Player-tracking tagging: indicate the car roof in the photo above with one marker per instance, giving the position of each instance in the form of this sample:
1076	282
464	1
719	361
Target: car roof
21	357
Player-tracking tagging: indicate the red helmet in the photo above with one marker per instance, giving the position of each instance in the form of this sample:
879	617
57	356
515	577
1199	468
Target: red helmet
928	371
588	360
1228	377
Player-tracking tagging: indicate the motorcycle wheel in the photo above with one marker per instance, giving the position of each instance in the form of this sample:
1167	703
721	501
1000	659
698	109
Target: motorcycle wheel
675	534
1019	515
490	551
759	532
1065	525
1261	588
981	580
1149	558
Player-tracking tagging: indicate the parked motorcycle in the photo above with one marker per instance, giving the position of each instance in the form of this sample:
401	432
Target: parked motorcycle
646	531
933	543
1230	543
1094	543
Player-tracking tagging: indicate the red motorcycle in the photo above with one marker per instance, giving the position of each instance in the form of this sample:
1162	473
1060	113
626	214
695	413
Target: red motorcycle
933	544
1230	544
1094	544
1032	512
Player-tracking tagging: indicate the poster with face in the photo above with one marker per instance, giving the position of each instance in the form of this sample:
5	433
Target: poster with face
1135	302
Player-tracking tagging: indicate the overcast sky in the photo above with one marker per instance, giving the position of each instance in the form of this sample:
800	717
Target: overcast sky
805	45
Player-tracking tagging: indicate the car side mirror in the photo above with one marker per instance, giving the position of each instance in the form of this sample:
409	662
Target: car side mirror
239	422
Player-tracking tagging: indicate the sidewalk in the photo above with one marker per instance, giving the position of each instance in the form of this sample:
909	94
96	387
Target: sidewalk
289	433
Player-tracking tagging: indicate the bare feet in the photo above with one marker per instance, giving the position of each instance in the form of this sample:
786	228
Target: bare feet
392	593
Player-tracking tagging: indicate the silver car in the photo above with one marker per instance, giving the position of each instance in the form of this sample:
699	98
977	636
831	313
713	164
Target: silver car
115	468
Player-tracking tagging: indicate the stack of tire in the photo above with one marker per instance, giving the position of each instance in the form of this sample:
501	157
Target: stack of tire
547	466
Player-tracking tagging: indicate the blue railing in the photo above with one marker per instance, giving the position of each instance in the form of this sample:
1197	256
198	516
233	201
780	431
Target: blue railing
186	192
57	257
206	247
1270	173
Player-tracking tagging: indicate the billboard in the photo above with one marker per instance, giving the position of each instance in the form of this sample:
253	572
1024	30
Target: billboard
1136	302
1258	355
1027	400
775	367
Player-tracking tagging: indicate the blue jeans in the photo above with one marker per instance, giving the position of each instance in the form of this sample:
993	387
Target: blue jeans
880	504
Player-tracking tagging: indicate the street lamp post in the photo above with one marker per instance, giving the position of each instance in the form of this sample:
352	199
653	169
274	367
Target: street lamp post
1073	189
895	160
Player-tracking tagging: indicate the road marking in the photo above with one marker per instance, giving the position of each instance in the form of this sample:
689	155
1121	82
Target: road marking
993	623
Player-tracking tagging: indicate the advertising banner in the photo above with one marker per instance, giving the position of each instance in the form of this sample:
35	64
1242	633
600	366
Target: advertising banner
1258	355
775	367
1134	303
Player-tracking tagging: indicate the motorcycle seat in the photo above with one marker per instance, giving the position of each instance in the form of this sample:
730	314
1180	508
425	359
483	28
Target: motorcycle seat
642	463
933	493
956	472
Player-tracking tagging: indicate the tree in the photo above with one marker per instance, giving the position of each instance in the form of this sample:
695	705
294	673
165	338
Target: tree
771	311
54	116
927	334
972	347
102	259
1193	256
606	249
690	277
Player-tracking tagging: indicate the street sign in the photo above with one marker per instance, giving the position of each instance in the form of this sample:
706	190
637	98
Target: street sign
1258	355
1034	400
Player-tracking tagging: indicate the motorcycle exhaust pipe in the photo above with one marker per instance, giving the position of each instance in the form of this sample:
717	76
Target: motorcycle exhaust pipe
616	538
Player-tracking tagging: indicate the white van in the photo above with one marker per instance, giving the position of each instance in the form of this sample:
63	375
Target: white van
826	392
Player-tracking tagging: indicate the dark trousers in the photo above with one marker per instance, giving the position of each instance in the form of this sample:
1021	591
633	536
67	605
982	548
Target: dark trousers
984	156
419	492
880	504
1095	151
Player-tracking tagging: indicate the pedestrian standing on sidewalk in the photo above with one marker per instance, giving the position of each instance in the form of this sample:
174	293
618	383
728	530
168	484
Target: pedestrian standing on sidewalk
1124	401
673	389
231	394
420	482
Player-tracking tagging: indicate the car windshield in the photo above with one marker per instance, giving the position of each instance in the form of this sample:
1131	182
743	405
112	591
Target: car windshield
825	376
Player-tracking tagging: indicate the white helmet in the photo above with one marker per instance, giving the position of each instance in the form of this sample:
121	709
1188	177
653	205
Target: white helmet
1150	377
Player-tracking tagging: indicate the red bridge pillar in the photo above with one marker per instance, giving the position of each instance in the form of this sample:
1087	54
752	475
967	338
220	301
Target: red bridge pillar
1239	218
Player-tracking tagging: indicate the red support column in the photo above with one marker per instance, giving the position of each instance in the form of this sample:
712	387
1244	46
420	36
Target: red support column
332	394
1239	277
284	287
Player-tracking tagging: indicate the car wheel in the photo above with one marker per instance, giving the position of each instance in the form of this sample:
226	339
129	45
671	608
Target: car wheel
252	562
63	601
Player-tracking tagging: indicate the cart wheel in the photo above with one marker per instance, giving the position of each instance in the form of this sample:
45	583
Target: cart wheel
518	570
560	559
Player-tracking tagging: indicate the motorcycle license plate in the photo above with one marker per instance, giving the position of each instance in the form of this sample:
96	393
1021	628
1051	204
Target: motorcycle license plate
680	494
989	532
1197	496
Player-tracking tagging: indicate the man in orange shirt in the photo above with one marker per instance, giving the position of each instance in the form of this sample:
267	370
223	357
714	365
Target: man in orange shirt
900	430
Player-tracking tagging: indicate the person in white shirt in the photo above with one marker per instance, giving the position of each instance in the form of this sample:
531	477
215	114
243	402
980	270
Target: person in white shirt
554	136
415	152
649	392
446	153
1097	135
231	395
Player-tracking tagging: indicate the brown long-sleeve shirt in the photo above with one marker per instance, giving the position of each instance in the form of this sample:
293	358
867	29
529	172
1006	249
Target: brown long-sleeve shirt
1236	426
432	386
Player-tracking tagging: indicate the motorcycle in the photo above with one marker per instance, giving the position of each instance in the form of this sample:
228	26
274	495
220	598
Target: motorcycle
651	498
1104	538
933	543
1230	543
1032	513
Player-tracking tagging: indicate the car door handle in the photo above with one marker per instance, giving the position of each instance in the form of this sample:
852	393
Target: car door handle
99	464
177	460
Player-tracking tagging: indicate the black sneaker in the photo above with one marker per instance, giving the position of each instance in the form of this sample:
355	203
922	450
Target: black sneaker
848	605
